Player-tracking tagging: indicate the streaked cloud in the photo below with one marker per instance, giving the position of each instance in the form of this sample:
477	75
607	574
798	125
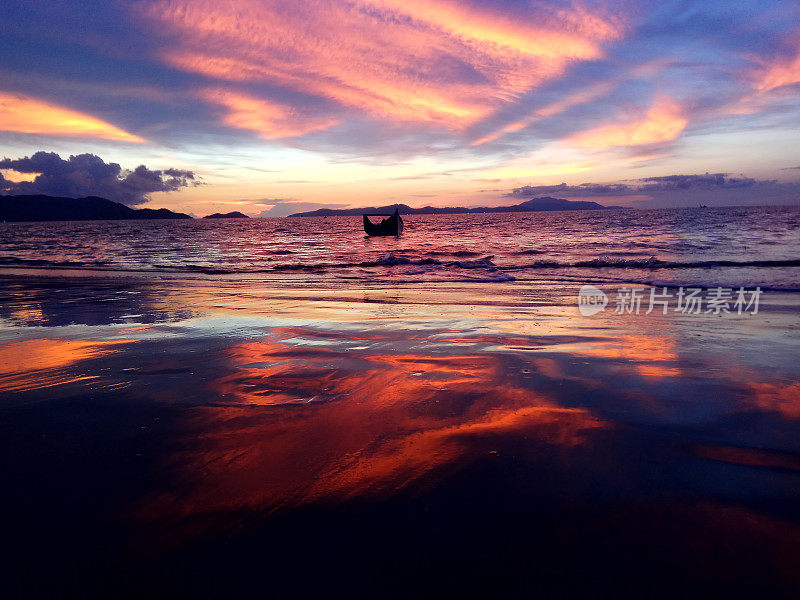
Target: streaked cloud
555	108
783	71
526	168
771	80
663	122
437	62
269	119
22	114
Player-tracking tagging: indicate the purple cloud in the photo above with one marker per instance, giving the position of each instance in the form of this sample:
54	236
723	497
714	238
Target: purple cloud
677	190
89	175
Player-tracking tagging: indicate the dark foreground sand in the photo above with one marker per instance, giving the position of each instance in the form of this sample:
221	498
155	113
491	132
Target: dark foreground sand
168	438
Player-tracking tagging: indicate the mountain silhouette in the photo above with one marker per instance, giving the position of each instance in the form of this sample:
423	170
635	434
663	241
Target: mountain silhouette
91	208
535	204
231	215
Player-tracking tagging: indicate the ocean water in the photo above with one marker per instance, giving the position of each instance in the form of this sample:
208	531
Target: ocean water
706	247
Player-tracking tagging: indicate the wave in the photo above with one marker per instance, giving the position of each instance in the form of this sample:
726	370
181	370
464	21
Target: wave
299	267
13	261
390	260
489	278
427	268
457	253
653	263
483	263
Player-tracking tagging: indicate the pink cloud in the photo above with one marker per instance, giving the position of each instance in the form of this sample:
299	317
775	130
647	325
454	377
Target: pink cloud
769	81
269	119
435	62
663	122
781	72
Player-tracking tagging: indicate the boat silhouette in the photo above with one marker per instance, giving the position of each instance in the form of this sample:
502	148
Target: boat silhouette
391	225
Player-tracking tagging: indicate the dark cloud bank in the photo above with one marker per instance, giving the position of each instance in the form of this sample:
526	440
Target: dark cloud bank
677	190
89	175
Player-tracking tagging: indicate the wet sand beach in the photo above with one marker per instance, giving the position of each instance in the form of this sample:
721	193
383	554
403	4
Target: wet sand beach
177	437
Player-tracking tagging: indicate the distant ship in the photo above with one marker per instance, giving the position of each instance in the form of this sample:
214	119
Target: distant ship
392	225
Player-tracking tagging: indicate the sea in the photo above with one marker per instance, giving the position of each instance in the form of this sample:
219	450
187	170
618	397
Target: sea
750	246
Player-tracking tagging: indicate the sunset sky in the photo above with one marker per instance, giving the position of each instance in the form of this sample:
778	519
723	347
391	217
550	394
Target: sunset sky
277	106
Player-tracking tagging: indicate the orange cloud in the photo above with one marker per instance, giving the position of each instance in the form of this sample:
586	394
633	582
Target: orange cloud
16	176
269	120
435	62
664	122
22	114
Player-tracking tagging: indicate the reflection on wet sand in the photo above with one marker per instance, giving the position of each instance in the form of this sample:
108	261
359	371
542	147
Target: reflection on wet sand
225	412
650	355
754	457
345	424
775	396
305	415
40	363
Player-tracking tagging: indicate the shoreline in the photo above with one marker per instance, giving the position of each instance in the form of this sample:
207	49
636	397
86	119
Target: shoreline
301	278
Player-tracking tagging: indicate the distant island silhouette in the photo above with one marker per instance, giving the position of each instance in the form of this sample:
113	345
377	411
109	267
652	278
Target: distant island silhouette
545	203
39	207
231	215
91	208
